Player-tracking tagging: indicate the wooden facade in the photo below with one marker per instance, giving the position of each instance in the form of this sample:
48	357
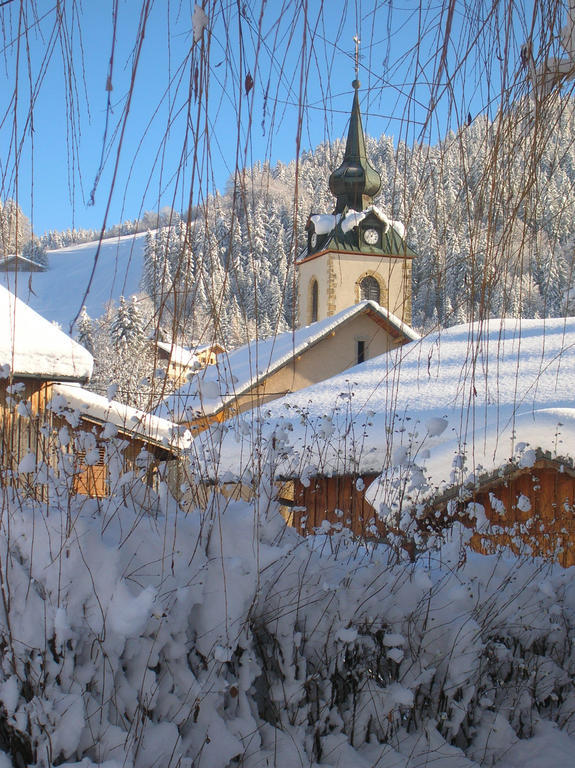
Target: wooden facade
529	510
22	405
339	500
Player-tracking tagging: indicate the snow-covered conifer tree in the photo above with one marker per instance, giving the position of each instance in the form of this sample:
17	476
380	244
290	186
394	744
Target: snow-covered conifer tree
85	332
127	330
35	250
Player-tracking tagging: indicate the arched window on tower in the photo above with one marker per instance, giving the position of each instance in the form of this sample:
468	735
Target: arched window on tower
369	289
314	301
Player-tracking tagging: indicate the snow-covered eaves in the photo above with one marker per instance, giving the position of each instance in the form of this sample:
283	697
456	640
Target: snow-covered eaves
466	399
494	452
236	373
129	422
32	347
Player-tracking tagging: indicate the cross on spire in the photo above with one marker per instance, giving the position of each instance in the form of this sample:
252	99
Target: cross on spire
357	41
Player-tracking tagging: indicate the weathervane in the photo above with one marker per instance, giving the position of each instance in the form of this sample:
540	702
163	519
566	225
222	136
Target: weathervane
357	41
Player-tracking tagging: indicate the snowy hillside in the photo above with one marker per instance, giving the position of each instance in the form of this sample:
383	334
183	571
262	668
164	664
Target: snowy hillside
57	294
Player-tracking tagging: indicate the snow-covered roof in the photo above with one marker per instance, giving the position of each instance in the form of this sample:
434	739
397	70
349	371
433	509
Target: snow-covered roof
33	347
187	357
213	347
128	420
466	396
238	371
178	355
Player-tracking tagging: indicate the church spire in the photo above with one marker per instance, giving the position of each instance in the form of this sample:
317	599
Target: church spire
355	182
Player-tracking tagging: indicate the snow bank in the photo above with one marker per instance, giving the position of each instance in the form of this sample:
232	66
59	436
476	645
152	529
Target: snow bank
220	637
32	346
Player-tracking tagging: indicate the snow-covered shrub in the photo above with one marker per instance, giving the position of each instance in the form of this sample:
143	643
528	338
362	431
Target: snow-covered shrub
220	637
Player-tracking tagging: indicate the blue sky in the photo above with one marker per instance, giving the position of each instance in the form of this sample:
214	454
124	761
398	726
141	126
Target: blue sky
177	144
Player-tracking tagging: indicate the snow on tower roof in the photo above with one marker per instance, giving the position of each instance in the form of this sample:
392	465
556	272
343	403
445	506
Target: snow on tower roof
468	395
237	372
338	232
33	347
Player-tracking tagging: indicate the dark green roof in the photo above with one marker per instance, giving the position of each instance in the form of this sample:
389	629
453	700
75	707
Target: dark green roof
391	244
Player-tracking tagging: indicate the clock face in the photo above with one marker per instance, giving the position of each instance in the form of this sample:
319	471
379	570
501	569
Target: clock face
313	239
371	236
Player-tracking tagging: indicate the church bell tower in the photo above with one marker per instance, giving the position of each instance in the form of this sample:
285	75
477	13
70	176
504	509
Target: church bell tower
356	252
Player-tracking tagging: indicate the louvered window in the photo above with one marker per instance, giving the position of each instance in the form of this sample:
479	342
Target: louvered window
91	479
369	288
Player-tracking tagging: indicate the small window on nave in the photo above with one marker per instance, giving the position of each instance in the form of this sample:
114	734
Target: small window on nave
314	301
369	289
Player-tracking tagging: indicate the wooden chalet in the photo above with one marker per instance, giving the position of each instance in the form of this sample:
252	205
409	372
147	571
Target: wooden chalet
117	438
19	263
525	507
49	424
182	362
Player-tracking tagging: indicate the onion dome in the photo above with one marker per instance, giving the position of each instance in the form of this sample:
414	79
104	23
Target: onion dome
355	182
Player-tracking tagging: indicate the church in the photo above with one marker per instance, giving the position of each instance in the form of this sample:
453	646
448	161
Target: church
356	253
354	303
